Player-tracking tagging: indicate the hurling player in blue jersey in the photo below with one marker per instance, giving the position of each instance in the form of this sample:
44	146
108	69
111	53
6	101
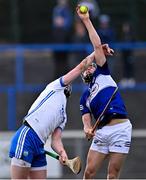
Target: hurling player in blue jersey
113	136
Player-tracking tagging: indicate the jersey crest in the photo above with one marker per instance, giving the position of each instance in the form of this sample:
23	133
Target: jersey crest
94	90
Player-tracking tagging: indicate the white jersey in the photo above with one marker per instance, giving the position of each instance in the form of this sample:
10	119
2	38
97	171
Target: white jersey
49	110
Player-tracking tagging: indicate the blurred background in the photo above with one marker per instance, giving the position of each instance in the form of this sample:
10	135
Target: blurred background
42	40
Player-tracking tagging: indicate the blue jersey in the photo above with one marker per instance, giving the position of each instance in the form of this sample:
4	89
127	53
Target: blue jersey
100	90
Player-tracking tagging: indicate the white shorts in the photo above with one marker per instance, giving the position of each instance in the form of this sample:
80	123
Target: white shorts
114	138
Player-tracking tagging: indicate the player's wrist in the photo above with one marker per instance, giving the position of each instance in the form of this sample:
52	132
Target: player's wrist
87	128
62	152
86	18
86	21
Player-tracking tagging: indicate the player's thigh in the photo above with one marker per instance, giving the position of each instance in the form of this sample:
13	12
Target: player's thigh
95	159
116	161
19	172
38	167
38	174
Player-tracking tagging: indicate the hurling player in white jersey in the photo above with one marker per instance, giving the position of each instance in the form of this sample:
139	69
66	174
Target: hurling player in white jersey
46	117
112	138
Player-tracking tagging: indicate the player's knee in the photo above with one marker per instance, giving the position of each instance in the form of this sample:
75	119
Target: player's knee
113	173
89	173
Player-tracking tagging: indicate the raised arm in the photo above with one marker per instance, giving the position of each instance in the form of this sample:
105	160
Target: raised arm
94	37
74	73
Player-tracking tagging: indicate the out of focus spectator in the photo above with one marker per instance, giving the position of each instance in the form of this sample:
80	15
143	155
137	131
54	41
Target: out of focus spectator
61	29
92	6
79	36
107	34
106	31
127	36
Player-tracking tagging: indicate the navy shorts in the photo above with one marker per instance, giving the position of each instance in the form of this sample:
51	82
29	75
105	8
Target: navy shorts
26	145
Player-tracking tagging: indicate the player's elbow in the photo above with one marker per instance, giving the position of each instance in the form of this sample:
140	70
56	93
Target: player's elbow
100	59
99	56
53	143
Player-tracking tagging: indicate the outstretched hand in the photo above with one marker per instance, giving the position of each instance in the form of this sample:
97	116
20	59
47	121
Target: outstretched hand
107	50
81	15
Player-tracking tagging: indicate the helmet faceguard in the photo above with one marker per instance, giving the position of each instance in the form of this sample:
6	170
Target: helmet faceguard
87	78
68	90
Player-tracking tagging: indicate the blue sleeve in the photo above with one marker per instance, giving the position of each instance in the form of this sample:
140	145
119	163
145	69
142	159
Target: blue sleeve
62	82
83	107
104	70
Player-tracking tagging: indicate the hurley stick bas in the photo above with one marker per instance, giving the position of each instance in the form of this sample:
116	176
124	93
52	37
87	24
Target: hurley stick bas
74	164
